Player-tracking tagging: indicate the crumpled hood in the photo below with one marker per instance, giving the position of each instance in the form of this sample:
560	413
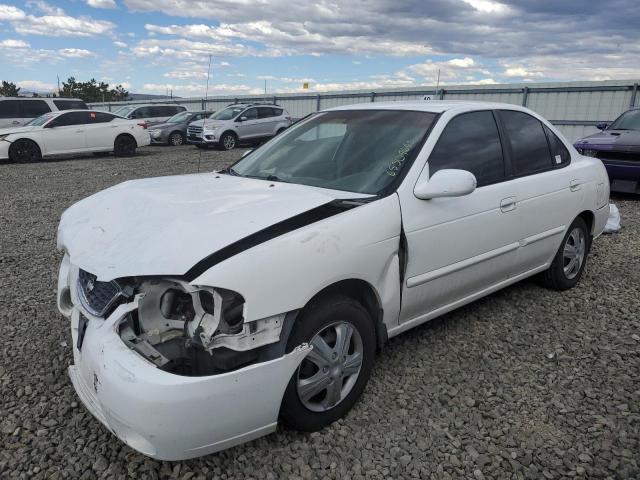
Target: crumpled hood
164	226
11	130
611	140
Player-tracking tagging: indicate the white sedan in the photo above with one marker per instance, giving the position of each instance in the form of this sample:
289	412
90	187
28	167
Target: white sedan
72	131
205	307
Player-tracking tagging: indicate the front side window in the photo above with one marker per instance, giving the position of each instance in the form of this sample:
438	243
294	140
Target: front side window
71	118
470	142
250	114
34	108
363	151
227	113
38	122
124	111
182	117
528	143
627	121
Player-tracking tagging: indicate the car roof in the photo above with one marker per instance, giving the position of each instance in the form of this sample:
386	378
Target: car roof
433	106
40	98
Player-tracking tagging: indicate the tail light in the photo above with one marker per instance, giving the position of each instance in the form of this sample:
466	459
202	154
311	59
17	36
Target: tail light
144	125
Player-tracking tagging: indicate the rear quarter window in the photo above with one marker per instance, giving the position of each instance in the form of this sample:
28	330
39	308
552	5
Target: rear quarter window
559	153
70	104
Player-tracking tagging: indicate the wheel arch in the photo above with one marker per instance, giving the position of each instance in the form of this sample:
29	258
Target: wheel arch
27	139
231	131
125	134
589	218
362	292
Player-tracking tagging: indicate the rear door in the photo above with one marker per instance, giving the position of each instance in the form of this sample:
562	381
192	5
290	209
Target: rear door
100	132
267	121
548	194
66	133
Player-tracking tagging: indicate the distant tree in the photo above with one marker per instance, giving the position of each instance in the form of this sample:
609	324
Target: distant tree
9	89
92	91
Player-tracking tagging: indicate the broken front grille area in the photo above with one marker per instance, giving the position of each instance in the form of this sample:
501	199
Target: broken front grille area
99	298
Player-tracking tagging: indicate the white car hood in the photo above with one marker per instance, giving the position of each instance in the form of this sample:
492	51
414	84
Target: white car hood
11	130
164	226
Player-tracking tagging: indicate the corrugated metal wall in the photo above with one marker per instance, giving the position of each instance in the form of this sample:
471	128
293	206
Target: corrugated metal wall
574	107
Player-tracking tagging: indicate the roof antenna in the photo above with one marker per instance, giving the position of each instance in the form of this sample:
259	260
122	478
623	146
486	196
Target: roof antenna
438	84
206	102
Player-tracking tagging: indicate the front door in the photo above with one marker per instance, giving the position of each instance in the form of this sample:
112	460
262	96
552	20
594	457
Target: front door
458	247
66	133
249	127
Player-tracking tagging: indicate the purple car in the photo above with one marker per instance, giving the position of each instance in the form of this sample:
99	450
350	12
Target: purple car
618	146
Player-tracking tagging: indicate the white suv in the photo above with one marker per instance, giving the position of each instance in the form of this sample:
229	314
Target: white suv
20	111
239	123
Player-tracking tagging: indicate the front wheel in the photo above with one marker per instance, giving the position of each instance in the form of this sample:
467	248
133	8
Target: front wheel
334	374
228	141
23	150
124	146
568	264
176	139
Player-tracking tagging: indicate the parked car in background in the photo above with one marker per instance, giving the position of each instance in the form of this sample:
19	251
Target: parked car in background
151	114
72	131
239	123
174	130
618	146
16	111
205	307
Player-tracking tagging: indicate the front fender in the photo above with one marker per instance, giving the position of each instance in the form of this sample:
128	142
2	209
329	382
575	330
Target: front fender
284	273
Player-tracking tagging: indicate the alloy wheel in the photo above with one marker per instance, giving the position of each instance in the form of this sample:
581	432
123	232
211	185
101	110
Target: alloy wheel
329	372
229	142
573	253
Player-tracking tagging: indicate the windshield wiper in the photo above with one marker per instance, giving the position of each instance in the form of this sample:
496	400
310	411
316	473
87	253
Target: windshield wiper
230	171
275	178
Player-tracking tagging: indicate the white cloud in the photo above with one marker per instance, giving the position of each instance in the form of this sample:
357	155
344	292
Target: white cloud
120	44
488	6
75	53
102	3
54	24
37	86
10	43
199	89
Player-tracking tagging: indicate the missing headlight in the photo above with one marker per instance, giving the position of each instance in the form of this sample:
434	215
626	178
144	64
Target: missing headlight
177	305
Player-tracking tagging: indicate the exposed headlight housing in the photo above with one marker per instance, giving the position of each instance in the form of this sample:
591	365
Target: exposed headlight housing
588	152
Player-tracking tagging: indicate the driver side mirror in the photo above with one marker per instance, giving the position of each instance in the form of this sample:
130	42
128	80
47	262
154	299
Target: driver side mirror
602	125
243	119
446	183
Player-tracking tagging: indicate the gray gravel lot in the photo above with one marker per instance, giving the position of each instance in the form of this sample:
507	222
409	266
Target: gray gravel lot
527	383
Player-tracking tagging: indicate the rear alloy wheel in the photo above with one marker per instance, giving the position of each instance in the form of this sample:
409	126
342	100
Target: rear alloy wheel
228	141
124	146
22	151
176	139
334	374
568	264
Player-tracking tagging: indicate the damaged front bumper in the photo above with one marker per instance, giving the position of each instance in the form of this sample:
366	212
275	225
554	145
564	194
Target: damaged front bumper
168	416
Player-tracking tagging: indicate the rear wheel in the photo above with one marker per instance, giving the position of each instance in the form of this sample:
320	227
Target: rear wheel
228	141
24	150
568	264
176	139
124	146
332	377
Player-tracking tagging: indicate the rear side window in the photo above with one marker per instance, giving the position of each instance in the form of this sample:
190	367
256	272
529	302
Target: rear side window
34	108
470	142
10	109
70	104
277	112
265	112
559	152
528	143
100	117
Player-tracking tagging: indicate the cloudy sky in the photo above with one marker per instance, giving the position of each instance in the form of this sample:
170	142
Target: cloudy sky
150	46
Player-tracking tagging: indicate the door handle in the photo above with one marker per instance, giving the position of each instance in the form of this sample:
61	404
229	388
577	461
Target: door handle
15	122
575	185
508	204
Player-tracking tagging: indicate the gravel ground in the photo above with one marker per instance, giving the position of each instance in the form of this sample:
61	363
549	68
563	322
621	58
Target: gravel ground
527	383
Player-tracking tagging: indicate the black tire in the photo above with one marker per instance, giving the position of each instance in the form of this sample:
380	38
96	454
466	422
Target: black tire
228	141
555	277
24	150
125	146
314	319
176	139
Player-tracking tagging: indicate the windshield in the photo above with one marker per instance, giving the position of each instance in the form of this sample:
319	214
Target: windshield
41	120
227	113
359	151
627	121
180	117
124	111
